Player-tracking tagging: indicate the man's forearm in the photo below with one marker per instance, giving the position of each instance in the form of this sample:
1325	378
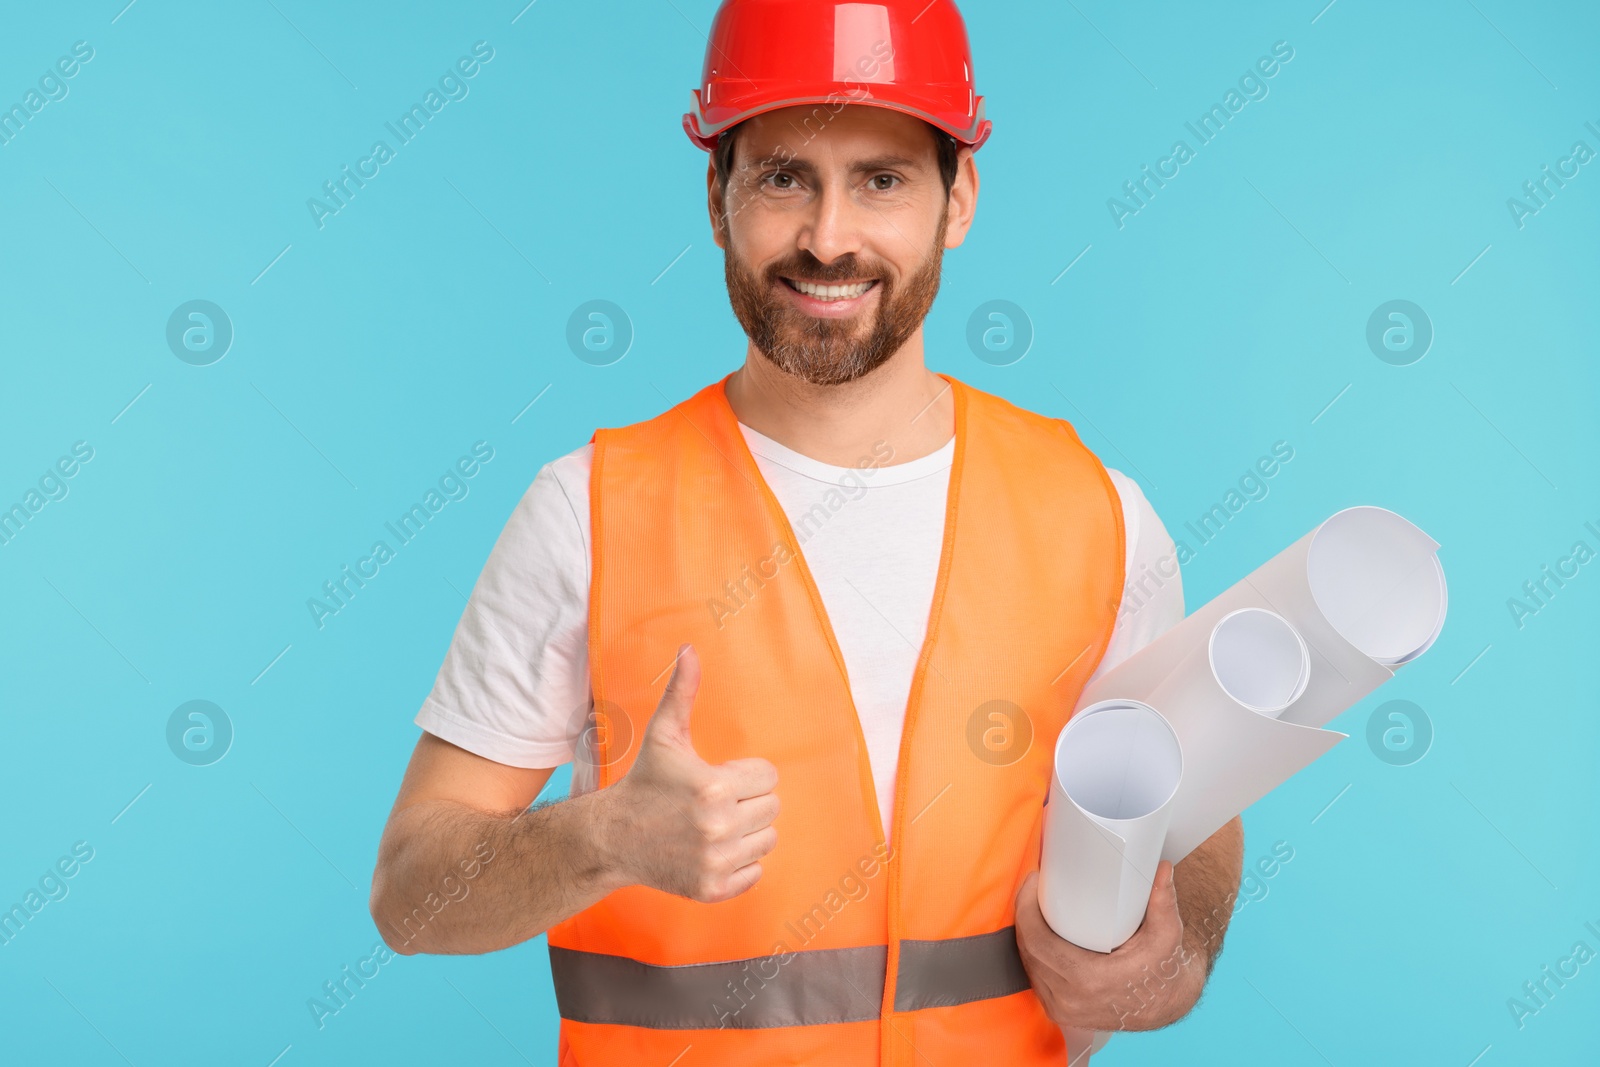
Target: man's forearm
1207	881
450	879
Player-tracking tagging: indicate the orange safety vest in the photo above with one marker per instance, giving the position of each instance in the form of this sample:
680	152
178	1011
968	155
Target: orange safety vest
852	948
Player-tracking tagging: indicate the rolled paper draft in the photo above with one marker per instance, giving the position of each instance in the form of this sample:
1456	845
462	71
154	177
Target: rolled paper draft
1378	581
1225	701
1364	589
1117	769
1365	593
1259	660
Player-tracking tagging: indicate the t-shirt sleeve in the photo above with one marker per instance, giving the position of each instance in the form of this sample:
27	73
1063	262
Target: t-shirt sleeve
514	685
1152	594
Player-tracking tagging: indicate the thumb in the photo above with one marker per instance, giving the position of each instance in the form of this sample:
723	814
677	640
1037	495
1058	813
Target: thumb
1163	923
671	720
1026	903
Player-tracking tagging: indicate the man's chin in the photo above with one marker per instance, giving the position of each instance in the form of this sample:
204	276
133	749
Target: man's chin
826	367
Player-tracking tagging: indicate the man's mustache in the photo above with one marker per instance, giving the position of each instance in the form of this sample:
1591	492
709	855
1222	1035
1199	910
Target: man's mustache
841	271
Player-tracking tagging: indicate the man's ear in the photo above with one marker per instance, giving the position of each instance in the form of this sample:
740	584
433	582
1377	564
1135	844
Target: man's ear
963	199
714	206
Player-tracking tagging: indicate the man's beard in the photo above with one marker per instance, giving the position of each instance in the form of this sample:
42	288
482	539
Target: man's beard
826	351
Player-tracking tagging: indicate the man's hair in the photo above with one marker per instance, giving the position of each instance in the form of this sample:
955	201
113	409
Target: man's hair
946	146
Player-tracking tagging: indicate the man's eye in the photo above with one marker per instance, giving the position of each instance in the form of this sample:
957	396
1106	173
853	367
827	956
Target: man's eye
884	177
776	176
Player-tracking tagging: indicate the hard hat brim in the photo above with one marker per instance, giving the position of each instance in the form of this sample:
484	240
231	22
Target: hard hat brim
705	130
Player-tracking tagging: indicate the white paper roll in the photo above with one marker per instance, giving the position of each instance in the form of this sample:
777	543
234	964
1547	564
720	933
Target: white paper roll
1244	684
1259	660
1377	579
1365	593
1117	769
1236	753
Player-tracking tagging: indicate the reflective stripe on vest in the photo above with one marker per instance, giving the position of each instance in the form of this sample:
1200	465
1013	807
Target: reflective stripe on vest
808	988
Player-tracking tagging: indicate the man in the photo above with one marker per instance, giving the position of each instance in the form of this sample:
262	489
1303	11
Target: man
878	593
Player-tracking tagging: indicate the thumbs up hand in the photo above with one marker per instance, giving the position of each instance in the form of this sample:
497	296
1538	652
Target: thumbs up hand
685	826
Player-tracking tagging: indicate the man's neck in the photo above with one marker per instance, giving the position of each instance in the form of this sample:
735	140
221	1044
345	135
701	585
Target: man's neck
901	403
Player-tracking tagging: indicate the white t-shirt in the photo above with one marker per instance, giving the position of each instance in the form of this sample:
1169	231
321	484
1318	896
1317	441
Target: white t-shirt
514	686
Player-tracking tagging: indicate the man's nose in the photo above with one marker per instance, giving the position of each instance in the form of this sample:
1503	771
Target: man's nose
835	225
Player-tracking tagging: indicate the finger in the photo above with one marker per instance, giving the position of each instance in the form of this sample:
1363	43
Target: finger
1031	922
1032	927
1030	918
671	720
1028	911
751	777
754	814
751	847
743	879
1163	924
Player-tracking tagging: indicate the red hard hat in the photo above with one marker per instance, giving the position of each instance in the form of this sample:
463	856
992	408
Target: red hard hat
907	55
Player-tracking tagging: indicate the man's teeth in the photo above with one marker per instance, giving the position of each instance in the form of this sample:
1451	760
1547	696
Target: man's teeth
833	292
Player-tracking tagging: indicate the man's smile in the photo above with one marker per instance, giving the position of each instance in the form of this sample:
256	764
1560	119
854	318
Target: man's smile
829	301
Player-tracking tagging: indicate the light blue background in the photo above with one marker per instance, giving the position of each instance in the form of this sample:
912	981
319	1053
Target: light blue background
1228	314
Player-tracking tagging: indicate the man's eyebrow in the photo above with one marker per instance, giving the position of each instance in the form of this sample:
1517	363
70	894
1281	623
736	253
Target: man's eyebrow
876	163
